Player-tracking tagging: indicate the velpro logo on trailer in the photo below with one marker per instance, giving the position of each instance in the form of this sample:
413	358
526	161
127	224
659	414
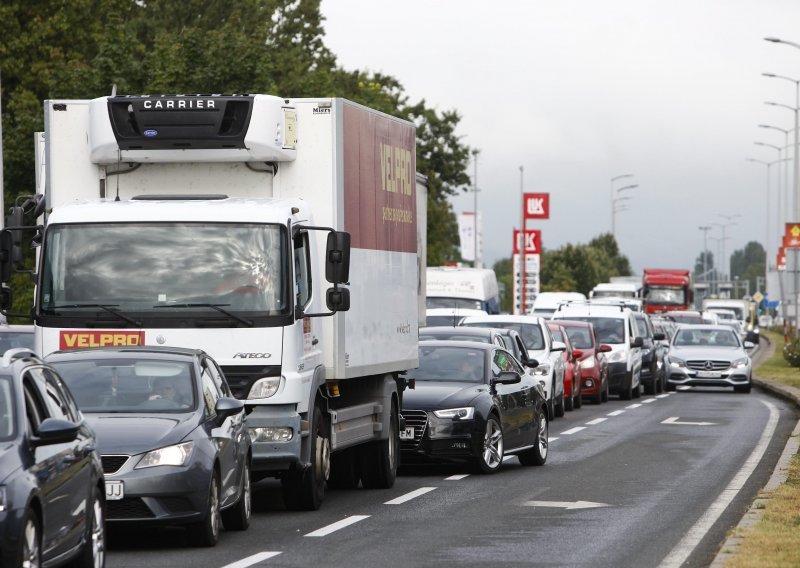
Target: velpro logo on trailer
79	339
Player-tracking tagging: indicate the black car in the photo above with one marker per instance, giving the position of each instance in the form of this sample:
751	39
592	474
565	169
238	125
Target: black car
172	438
654	376
51	479
473	402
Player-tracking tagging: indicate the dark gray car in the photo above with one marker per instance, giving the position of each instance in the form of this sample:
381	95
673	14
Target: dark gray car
172	438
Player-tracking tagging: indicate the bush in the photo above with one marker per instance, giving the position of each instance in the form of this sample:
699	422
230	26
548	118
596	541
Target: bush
791	352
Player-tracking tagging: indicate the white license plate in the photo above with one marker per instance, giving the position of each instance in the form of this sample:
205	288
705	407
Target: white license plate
407	434
114	490
708	375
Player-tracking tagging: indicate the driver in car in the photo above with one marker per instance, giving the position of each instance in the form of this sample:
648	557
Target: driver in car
164	389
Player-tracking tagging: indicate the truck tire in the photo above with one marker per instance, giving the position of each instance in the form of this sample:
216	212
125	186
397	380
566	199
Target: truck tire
378	460
305	490
345	473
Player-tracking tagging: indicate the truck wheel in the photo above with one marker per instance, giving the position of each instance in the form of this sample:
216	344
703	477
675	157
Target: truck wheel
344	470
305	490
378	460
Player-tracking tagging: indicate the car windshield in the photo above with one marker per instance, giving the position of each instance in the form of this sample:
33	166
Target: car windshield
441	302
531	333
556	333
737	312
445	363
7	416
580	337
138	386
723	315
14	339
151	267
687	318
665	295
606	330
705	338
641	327
454	335
449	320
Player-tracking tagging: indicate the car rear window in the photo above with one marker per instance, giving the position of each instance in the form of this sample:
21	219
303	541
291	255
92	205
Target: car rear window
445	363
531	333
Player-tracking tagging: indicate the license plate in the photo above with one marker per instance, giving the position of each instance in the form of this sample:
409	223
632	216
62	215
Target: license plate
407	434
114	490
708	375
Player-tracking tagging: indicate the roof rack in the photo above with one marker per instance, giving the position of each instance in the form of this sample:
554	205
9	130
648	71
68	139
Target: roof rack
591	302
16	353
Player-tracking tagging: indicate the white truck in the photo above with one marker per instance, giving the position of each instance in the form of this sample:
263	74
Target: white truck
455	287
214	222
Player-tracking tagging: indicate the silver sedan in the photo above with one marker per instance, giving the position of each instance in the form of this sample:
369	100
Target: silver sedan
709	355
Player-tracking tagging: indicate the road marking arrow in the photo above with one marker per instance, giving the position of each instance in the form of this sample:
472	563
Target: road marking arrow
674	420
565	504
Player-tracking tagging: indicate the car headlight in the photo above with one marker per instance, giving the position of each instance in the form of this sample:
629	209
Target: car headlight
677	363
3	501
616	356
264	388
542	370
178	454
464	413
740	363
587	363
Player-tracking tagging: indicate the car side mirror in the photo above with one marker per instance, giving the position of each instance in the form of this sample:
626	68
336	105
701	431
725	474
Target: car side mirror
637	342
659	337
55	431
749	344
532	363
577	353
604	348
507	378
227	407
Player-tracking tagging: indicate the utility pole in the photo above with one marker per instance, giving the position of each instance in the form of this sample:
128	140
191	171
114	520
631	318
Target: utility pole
476	263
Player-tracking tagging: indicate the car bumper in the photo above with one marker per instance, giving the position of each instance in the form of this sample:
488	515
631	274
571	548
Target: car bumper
725	378
442	439
590	381
275	456
617	375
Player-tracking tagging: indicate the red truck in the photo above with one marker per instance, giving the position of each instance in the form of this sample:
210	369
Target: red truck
666	289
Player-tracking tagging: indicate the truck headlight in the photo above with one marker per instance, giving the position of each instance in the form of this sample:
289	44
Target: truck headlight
270	434
677	363
616	356
740	363
264	388
465	413
587	363
178	454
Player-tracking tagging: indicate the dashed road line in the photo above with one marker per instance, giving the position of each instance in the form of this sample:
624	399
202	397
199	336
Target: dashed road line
596	421
665	395
409	496
553	439
458	477
616	413
684	388
635	405
346	522
250	560
648	400
573	430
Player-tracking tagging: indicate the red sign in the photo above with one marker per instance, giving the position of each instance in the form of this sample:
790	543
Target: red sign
112	338
791	242
792	230
536	205
533	242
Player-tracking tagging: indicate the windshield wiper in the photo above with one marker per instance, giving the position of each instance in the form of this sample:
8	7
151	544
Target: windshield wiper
107	307
218	307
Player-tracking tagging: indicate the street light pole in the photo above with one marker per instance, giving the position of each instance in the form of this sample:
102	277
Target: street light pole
783	186
705	229
475	261
767	239
613	179
724	226
521	242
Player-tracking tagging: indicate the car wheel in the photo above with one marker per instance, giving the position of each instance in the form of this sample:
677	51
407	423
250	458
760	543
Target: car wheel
569	403
93	554
742	389
626	391
237	517
605	392
670	387
660	382
538	454
491	454
559	404
305	490
206	532
345	473
650	387
579	400
30	551
379	460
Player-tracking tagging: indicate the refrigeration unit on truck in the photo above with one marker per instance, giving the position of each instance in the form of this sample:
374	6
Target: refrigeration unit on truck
278	235
665	289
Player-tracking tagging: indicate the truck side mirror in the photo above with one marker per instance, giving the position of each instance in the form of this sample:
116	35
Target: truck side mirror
6	255
6	298
338	299
337	257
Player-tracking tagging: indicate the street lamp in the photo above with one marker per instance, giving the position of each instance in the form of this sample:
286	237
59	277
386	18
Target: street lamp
705	229
475	262
730	222
783	187
769	167
615	198
796	185
613	179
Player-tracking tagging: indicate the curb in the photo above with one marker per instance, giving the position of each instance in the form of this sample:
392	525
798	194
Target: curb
756	510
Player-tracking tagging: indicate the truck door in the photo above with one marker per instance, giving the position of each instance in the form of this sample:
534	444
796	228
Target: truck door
307	335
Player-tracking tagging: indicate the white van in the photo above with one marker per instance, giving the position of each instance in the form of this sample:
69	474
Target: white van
547	302
742	312
456	287
613	326
615	289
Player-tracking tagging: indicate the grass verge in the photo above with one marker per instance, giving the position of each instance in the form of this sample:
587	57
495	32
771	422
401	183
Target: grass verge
774	542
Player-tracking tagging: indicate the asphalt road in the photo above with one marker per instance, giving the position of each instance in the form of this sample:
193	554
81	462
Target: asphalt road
661	479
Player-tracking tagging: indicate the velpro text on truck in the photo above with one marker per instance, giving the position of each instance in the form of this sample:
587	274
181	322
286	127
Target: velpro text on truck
278	235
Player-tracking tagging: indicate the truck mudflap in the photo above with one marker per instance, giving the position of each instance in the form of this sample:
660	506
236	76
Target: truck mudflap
265	421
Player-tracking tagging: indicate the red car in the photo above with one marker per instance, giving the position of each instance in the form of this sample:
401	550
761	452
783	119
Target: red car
592	362
572	373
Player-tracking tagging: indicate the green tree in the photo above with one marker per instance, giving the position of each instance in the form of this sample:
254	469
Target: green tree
748	263
504	271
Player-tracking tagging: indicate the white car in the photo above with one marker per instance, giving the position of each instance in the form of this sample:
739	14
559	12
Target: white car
541	347
614	326
450	317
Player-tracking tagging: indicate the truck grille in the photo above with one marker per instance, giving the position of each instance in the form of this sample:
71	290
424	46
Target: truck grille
706	365
112	464
418	419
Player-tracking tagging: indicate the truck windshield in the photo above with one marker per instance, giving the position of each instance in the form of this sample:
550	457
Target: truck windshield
665	295
146	267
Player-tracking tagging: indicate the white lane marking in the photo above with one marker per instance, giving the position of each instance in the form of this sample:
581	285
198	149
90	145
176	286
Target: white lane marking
409	496
573	430
637	405
596	421
565	504
458	477
616	413
250	560
665	395
674	420
684	388
553	439
346	522
648	400
688	543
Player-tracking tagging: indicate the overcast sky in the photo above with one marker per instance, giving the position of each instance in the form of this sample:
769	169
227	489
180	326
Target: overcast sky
579	91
